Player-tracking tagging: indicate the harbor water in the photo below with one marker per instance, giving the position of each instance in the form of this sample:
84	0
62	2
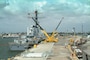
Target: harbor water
4	49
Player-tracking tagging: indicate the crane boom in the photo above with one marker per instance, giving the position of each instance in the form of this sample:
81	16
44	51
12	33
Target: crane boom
57	27
59	23
37	23
41	28
52	37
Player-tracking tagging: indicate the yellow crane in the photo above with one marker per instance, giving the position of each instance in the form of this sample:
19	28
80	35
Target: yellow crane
53	36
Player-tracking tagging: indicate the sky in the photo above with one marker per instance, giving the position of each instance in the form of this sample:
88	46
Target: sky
14	15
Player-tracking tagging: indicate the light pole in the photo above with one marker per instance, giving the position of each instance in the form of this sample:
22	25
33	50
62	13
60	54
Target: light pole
82	30
74	31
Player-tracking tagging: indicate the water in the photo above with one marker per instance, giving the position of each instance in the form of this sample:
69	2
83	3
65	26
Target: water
4	49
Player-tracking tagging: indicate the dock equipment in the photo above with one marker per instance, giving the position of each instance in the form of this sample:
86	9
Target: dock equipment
53	36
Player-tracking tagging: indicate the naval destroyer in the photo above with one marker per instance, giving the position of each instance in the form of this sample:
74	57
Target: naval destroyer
34	36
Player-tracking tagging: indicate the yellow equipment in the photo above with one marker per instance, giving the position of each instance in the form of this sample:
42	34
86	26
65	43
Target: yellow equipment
71	41
53	36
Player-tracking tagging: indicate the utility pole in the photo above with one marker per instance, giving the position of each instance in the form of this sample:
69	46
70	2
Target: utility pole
67	32
74	31
82	30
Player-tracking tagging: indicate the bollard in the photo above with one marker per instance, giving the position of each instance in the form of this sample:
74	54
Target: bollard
9	59
35	45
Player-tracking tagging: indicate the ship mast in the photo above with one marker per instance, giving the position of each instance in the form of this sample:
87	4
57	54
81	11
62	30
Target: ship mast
36	17
36	28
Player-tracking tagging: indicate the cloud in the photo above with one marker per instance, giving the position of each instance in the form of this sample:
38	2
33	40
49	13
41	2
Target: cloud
18	6
74	11
69	7
58	6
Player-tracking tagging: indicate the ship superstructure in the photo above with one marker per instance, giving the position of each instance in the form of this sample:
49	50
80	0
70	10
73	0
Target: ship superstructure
33	36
